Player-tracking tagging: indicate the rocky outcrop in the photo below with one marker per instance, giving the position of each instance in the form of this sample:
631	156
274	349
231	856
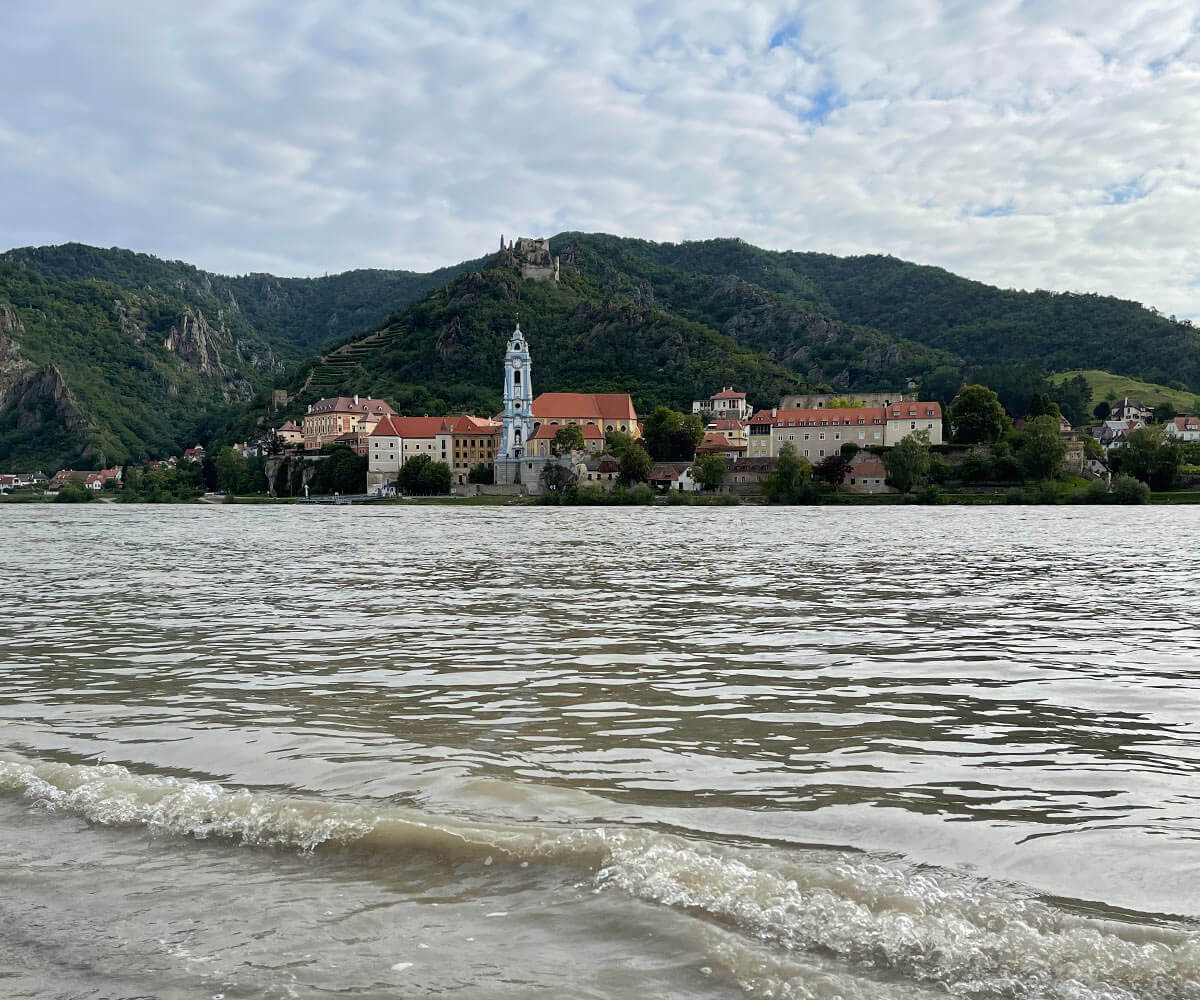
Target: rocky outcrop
13	367
195	343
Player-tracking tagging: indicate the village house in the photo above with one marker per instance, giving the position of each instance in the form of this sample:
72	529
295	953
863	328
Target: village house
724	405
731	429
719	444
668	476
867	474
328	419
1183	429
1130	409
746	475
194	454
819	433
290	435
600	470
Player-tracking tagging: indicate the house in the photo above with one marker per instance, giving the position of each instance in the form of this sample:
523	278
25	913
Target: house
731	429
1115	433
1183	429
7	483
867	474
290	435
194	454
600	470
819	433
673	476
609	411
746	475
719	444
1130	409
327	419
724	405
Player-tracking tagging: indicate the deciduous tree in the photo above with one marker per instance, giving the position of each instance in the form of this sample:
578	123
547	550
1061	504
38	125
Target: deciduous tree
977	415
908	462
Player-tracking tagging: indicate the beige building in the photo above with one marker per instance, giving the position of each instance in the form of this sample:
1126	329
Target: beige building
328	419
468	441
819	433
290	434
394	440
727	404
542	442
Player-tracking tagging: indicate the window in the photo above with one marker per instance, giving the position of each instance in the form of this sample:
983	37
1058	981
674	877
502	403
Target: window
821	435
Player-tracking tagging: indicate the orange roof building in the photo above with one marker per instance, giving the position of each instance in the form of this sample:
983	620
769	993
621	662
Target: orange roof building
610	411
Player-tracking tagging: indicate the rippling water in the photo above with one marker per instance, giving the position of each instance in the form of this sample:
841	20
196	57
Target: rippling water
505	752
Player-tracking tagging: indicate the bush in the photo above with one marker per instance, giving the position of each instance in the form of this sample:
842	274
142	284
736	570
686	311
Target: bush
73	492
1096	492
931	495
1126	489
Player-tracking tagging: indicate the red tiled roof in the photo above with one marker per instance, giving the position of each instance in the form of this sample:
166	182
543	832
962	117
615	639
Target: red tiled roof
853	416
729	394
1187	423
661	472
718	443
466	424
290	426
597	406
867	467
408	427
346	404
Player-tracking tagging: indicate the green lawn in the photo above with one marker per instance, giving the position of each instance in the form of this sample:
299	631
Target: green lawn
1106	385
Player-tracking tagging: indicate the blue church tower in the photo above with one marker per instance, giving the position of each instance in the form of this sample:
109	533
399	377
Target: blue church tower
517	425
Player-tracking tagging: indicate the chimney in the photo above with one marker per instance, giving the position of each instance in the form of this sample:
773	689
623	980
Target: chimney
774	411
356	399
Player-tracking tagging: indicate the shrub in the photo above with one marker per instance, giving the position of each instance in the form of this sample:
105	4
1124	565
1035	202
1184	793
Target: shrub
1096	492
1126	489
73	492
931	495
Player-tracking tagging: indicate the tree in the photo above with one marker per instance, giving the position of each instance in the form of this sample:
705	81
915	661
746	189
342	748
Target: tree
709	471
635	465
434	479
672	436
1042	447
484	474
977	415
792	473
1164	413
409	476
1102	410
341	471
1040	406
231	470
567	438
832	470
616	443
558	477
74	492
943	382
846	403
849	450
1150	456
908	462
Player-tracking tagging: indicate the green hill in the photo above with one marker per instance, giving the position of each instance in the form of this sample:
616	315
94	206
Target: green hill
111	356
1110	387
976	323
114	355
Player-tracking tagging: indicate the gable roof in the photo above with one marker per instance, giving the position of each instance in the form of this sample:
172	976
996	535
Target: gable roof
596	406
351	404
728	394
408	427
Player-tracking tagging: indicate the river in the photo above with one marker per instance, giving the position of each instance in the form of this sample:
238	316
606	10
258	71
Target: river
615	753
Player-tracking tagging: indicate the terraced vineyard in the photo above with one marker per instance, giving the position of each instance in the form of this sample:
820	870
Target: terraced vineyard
333	370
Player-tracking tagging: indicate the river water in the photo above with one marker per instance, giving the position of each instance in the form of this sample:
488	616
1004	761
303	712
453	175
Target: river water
627	753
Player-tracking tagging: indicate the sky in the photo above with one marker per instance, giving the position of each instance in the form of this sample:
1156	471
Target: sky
1026	144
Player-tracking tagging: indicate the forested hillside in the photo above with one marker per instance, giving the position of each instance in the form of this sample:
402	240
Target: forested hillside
976	323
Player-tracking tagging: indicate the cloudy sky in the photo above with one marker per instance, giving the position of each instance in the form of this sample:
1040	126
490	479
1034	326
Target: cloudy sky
1028	144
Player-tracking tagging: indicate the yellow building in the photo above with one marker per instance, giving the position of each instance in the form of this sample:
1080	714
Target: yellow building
328	419
609	411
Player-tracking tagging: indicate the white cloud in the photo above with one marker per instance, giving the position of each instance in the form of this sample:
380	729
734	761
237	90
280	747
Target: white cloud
1028	144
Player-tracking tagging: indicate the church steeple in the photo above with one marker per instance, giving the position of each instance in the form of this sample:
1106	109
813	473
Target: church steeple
518	397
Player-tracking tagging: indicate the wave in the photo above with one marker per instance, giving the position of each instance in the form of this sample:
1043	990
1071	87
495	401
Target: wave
886	928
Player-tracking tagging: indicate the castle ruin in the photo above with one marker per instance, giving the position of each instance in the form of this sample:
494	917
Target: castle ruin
532	256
